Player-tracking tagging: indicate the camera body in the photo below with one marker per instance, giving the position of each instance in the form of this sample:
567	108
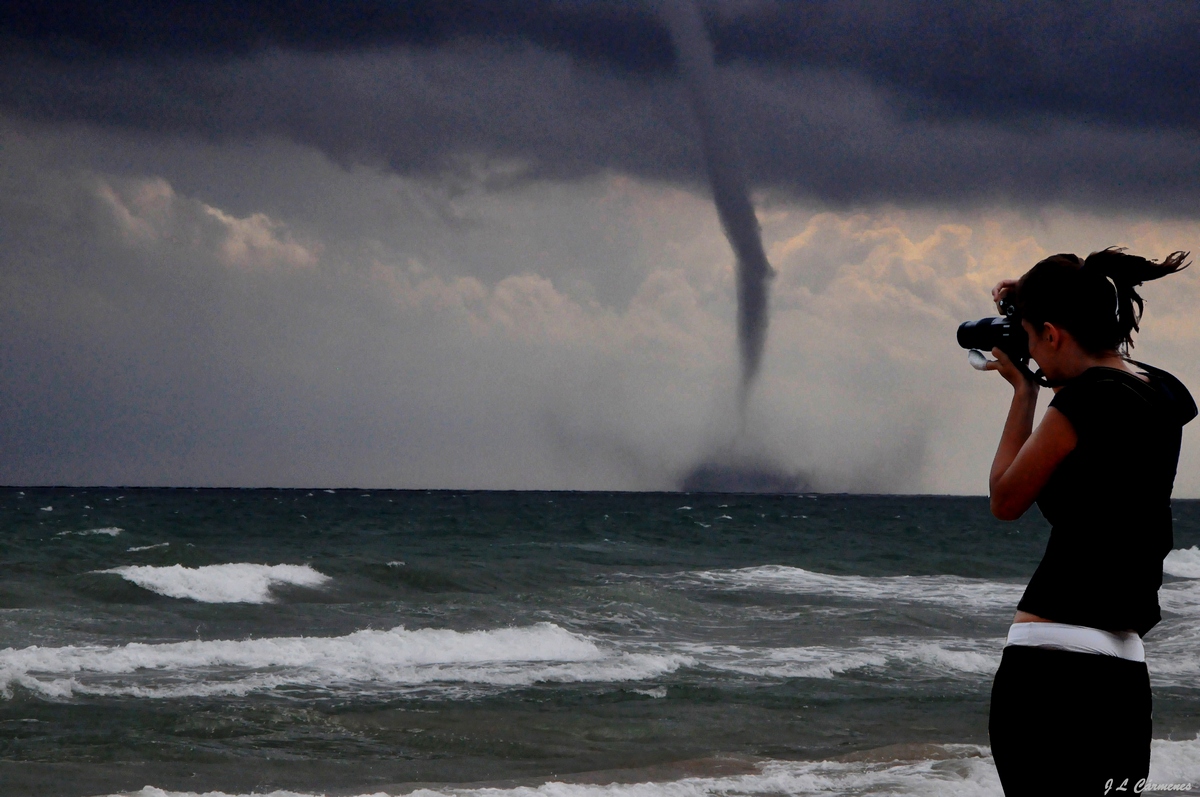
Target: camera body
997	332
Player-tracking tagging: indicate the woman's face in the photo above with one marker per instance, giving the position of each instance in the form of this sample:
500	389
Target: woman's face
1040	350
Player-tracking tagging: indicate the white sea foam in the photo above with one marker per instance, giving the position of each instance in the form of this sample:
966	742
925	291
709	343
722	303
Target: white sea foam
231	583
962	771
110	531
137	548
1175	761
1181	597
925	657
952	591
1171	652
1183	563
363	660
953	770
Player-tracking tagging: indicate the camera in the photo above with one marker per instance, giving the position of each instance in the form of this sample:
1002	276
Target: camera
1003	332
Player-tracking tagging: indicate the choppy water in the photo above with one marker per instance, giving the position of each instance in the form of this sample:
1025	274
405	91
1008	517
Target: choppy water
548	644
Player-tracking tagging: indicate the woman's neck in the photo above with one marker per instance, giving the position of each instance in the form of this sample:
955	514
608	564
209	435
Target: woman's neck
1082	361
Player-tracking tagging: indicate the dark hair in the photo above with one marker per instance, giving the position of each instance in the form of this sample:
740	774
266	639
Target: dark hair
1093	299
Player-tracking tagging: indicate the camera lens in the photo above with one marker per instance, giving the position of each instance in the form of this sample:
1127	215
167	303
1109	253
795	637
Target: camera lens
984	334
1004	333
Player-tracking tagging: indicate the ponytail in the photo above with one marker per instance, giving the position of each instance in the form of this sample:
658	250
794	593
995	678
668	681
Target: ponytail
1126	272
1093	299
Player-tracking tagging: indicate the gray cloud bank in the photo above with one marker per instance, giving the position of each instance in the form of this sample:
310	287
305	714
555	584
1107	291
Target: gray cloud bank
1125	62
850	103
465	244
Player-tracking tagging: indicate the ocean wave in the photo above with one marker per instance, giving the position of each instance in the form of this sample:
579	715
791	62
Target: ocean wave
959	770
930	770
937	658
107	531
1171	653
1183	563
1175	761
973	594
363	660
229	583
1180	597
952	591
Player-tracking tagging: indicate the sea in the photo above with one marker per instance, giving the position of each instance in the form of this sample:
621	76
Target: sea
159	642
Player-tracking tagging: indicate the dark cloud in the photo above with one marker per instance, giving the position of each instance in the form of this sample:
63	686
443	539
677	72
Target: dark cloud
470	112
848	102
1127	63
625	34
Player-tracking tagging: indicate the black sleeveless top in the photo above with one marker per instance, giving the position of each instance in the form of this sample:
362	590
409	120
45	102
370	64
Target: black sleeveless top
1109	501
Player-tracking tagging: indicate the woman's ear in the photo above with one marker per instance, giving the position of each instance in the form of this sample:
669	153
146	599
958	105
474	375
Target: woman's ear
1052	335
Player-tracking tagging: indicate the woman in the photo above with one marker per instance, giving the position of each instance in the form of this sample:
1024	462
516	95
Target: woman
1070	709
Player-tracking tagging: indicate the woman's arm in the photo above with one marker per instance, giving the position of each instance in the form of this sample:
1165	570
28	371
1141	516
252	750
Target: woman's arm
1026	457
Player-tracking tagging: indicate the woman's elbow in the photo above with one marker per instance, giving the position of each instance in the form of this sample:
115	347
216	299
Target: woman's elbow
1004	508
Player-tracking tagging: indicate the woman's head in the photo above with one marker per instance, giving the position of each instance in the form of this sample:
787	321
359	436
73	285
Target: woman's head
1093	299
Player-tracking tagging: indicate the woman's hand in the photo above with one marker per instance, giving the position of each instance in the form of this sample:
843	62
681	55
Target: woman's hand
1017	376
1003	287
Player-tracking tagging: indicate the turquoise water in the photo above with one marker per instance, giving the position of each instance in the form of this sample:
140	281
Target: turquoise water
360	641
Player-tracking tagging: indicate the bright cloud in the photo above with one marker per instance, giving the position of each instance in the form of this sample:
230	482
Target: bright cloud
148	211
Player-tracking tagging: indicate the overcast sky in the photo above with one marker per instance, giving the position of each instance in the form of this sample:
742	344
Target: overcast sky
471	244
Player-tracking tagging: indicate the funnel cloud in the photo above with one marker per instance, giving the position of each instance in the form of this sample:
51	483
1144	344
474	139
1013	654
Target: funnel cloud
726	175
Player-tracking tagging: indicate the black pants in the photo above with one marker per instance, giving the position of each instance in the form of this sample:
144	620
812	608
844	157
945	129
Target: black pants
1065	723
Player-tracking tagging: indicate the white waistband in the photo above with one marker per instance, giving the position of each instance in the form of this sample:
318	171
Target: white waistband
1079	638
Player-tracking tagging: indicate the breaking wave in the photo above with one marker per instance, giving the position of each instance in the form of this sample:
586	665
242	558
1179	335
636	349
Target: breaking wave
108	531
951	591
231	583
1183	563
929	770
361	661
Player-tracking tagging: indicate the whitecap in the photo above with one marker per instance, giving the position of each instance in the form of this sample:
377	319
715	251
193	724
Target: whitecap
950	591
1171	653
959	770
360	661
1175	762
929	770
228	583
1180	597
137	548
110	531
1183	563
925	657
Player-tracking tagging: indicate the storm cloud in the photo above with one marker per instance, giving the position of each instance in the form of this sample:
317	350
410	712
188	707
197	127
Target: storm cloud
472	244
845	102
